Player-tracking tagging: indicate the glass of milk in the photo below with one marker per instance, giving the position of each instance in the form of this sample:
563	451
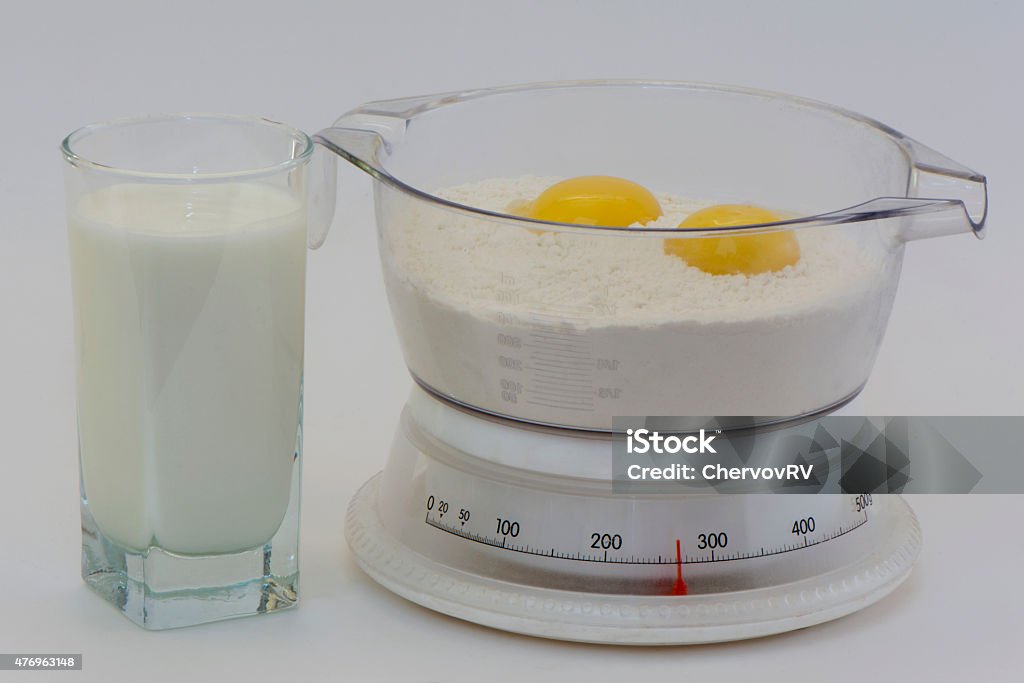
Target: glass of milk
187	239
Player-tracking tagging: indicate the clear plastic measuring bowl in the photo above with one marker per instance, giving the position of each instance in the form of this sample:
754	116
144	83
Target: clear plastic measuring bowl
569	324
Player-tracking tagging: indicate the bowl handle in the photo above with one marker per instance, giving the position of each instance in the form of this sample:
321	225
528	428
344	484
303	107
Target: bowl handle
359	137
943	198
322	196
957	197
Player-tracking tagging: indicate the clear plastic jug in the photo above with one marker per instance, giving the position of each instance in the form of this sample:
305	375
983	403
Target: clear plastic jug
570	325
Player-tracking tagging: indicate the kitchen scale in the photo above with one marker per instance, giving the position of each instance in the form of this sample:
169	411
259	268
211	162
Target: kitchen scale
516	527
496	504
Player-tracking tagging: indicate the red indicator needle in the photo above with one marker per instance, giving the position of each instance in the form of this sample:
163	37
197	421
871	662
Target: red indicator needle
679	587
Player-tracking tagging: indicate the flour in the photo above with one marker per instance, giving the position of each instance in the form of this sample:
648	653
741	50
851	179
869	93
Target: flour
571	329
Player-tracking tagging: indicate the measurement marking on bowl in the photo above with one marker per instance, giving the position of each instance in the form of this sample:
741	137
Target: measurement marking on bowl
554	380
552	364
544	366
561	368
555	339
571	354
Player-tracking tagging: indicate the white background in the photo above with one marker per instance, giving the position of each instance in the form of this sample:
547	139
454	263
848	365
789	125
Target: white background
947	73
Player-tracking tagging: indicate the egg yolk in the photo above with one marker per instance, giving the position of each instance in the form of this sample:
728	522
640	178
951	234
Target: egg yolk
735	254
599	200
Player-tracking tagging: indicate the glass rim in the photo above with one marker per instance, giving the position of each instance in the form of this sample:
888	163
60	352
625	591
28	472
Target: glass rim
71	156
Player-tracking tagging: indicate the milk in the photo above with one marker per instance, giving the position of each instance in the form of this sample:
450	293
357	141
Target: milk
189	307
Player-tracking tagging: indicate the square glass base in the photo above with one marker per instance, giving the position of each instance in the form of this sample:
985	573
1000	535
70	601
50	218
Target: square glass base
158	589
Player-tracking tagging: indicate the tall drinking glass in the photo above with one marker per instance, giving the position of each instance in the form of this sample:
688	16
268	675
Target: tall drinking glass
187	239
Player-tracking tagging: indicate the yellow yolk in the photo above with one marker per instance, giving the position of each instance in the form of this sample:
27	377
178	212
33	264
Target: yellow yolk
593	200
735	254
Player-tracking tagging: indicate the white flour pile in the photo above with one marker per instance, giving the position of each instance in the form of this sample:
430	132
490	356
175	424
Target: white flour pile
573	329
